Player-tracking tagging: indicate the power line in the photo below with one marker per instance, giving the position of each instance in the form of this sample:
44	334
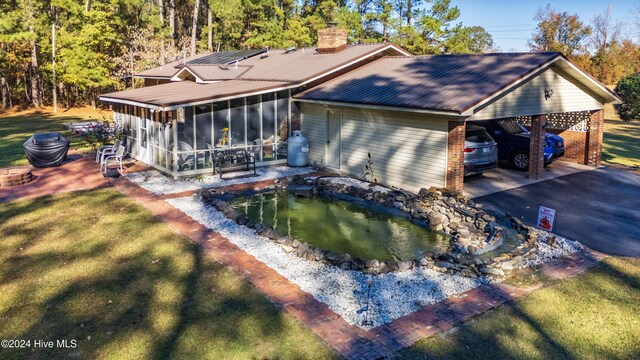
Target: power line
514	30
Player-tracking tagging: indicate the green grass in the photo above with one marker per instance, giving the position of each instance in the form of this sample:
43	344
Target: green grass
16	129
621	143
97	268
593	316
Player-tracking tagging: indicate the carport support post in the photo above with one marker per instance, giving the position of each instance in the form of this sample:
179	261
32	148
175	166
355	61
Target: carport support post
455	156
596	131
536	148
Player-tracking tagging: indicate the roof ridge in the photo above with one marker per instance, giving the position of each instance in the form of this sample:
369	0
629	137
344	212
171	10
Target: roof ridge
512	53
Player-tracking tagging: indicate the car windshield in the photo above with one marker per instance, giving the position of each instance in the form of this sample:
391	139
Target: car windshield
511	127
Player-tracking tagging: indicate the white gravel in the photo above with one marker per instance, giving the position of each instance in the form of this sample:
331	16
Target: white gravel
547	252
344	291
160	184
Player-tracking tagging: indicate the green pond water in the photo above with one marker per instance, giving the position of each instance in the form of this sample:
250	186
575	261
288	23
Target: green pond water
341	226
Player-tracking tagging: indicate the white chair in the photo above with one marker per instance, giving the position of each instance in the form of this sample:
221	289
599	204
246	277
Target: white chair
107	150
117	158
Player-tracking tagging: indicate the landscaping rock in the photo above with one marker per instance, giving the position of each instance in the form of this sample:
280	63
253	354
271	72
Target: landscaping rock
303	248
491	271
405	265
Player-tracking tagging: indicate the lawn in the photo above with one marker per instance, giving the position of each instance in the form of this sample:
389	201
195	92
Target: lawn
593	316
17	126
99	269
621	143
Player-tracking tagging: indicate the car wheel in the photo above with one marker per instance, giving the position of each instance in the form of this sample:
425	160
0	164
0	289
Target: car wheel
520	160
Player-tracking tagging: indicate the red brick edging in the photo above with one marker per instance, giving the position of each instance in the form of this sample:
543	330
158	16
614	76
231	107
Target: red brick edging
350	341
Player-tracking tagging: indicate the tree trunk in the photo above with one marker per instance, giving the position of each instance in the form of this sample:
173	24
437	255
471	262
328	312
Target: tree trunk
54	89
161	11
87	6
194	27
172	21
5	93
409	12
36	95
210	32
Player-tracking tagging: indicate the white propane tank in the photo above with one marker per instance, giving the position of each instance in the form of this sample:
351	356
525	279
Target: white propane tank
297	149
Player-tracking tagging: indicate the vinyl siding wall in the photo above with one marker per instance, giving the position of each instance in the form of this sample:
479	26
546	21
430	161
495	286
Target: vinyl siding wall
528	99
313	123
408	150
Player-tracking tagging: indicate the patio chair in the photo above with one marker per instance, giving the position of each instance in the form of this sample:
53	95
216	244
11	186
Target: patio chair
117	158
107	150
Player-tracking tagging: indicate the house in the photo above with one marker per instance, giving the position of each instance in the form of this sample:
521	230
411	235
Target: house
408	112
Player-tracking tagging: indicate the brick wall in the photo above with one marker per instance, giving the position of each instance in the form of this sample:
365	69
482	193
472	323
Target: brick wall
575	145
596	131
15	176
536	150
455	156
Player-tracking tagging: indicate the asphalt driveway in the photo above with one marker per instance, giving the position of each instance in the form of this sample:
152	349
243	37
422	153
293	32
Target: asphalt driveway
600	208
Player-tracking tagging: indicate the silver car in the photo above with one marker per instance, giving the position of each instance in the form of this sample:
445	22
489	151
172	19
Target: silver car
480	151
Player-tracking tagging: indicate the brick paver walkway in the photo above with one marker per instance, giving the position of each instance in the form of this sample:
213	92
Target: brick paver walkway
348	340
77	173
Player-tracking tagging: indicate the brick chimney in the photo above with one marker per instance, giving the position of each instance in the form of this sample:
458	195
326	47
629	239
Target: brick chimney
331	40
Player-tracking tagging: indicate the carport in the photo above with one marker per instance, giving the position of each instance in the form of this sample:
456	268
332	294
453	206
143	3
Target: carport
557	98
408	115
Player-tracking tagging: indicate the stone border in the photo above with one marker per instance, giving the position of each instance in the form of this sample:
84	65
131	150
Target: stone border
437	209
15	176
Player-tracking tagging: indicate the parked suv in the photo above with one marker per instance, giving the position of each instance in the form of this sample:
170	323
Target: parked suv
514	139
480	151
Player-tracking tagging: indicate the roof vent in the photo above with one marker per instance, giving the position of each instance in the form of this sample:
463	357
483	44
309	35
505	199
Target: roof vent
264	56
289	49
331	40
222	67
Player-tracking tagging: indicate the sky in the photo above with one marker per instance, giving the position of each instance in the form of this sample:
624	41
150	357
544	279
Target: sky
511	22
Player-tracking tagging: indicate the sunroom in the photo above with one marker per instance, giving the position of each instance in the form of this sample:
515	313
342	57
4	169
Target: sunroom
181	139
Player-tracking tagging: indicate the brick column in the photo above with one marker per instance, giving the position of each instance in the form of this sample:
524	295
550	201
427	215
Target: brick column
455	156
536	148
596	131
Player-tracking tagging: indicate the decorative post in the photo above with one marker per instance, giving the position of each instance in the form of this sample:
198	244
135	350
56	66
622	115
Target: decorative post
536	147
455	156
596	132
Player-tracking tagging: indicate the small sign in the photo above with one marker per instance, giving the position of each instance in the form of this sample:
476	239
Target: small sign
546	218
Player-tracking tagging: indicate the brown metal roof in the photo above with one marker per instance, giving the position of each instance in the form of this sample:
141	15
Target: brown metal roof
305	64
441	82
251	74
188	92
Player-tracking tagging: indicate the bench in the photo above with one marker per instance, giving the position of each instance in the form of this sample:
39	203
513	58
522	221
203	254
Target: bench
230	160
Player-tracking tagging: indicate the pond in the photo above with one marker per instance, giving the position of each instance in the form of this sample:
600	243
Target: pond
341	226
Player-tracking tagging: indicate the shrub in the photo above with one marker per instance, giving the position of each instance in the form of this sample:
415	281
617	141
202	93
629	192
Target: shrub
629	91
102	133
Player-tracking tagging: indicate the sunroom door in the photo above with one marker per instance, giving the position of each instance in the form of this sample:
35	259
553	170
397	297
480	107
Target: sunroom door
143	128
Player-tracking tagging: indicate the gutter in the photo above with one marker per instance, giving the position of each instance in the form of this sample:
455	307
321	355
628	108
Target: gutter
452	113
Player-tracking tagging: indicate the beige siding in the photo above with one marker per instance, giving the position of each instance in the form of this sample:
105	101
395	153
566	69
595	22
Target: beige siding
408	150
313	123
528	99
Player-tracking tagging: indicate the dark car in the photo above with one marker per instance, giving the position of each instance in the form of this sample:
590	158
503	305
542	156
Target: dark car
480	151
514	139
